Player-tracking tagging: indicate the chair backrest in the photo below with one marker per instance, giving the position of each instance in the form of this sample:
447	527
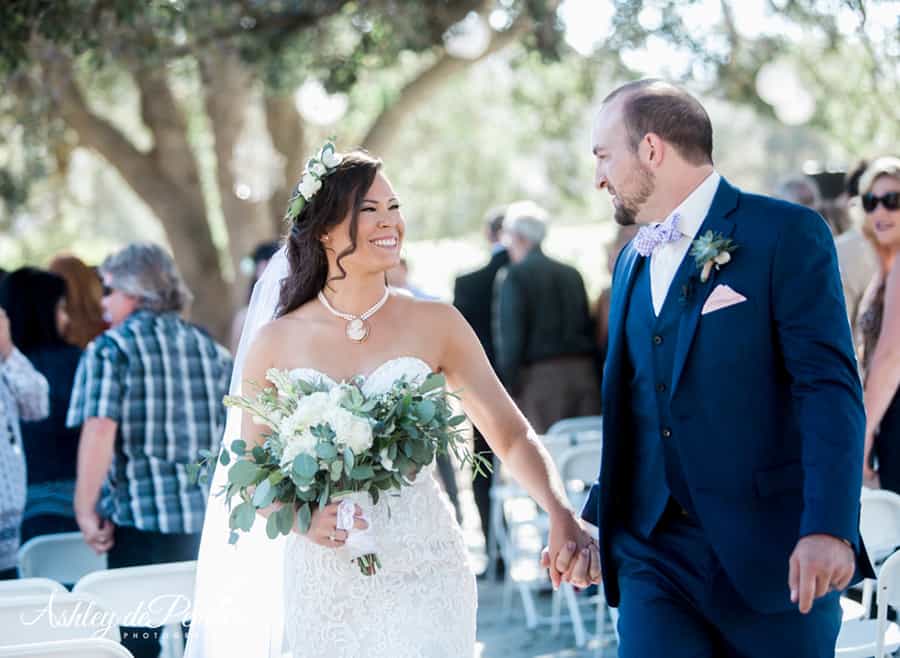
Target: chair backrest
577	424
64	557
153	595
53	617
888	595
578	467
879	522
95	648
30	587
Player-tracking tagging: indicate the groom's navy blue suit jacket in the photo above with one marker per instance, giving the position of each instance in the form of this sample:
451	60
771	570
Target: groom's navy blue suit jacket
766	404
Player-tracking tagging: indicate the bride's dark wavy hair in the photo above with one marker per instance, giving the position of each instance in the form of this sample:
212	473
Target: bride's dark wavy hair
342	190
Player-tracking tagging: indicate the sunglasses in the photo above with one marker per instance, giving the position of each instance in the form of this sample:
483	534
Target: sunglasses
890	201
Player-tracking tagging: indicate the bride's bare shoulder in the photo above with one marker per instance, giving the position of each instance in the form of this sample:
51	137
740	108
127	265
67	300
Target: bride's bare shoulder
275	335
434	315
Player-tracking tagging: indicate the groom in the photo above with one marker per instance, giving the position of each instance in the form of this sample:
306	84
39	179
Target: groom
728	496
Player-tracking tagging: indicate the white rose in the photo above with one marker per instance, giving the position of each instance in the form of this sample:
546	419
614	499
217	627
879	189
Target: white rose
331	159
297	444
312	409
386	461
308	186
316	168
350	430
338	394
722	258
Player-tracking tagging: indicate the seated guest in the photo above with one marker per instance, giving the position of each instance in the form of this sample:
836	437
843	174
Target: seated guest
543	335
23	396
879	324
83	294
36	303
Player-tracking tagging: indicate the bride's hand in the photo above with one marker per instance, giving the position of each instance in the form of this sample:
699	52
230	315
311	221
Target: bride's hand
570	546
323	526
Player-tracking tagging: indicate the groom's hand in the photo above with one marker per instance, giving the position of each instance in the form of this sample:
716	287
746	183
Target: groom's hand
577	560
818	565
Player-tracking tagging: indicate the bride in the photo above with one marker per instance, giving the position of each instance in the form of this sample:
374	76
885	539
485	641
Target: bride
335	320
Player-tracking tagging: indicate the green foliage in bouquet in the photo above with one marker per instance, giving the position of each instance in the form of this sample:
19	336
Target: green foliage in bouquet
323	442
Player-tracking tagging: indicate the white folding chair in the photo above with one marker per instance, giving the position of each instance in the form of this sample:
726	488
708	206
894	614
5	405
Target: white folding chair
30	587
164	593
576	425
870	638
879	525
64	557
578	466
93	648
52	617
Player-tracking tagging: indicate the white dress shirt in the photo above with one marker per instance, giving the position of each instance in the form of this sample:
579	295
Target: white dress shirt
665	261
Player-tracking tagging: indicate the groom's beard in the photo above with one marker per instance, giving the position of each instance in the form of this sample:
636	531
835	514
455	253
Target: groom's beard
629	205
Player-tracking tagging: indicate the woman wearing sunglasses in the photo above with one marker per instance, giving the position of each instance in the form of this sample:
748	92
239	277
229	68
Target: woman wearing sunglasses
879	324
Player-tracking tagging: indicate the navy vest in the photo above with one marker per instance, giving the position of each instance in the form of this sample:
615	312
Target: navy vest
650	345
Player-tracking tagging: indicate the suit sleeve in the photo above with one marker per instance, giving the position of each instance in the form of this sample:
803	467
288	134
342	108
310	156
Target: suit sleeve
814	336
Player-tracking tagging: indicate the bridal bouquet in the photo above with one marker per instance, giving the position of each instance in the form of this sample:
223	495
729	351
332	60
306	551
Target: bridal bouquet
326	443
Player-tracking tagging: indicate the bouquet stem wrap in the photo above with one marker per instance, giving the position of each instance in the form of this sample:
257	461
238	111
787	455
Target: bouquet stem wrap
360	545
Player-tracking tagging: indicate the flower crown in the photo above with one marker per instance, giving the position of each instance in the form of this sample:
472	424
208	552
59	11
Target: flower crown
317	168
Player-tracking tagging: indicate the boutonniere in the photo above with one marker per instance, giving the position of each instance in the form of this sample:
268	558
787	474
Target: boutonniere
711	250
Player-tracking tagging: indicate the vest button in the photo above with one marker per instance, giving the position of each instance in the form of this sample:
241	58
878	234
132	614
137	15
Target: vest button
657	340
666	432
660	388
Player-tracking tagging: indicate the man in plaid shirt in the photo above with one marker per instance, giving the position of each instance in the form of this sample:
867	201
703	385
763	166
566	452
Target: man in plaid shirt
148	393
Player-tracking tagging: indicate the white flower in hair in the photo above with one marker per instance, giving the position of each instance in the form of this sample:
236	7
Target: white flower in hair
308	186
317	168
330	158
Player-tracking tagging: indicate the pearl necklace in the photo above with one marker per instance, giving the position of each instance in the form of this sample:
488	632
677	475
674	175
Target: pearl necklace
357	330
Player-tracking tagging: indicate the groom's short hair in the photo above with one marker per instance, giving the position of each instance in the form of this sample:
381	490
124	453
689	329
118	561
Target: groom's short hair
656	106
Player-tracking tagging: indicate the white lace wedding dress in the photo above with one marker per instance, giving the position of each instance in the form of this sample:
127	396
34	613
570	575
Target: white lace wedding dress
422	601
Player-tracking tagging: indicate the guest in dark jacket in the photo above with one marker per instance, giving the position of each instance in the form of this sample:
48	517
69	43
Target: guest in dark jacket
543	337
35	301
473	295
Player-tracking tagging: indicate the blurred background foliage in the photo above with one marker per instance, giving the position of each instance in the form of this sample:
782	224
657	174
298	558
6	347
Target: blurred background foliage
188	121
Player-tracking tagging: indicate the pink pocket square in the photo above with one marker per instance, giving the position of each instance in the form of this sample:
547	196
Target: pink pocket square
722	297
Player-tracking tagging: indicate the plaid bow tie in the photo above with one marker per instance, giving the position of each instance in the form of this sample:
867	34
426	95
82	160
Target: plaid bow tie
650	237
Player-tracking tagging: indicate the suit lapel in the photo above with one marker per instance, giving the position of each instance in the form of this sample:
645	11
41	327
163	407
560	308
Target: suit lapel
717	221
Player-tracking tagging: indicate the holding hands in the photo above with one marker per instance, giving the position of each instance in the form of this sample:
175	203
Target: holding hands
572	556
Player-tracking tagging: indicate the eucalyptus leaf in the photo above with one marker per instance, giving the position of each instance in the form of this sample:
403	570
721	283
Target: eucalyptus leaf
324	495
242	517
337	470
233	537
285	519
362	472
326	451
272	526
433	381
243	473
304	517
426	410
305	467
239	447
224	458
259	455
349	459
264	494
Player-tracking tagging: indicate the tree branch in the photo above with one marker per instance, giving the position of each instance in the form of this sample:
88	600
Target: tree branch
415	93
